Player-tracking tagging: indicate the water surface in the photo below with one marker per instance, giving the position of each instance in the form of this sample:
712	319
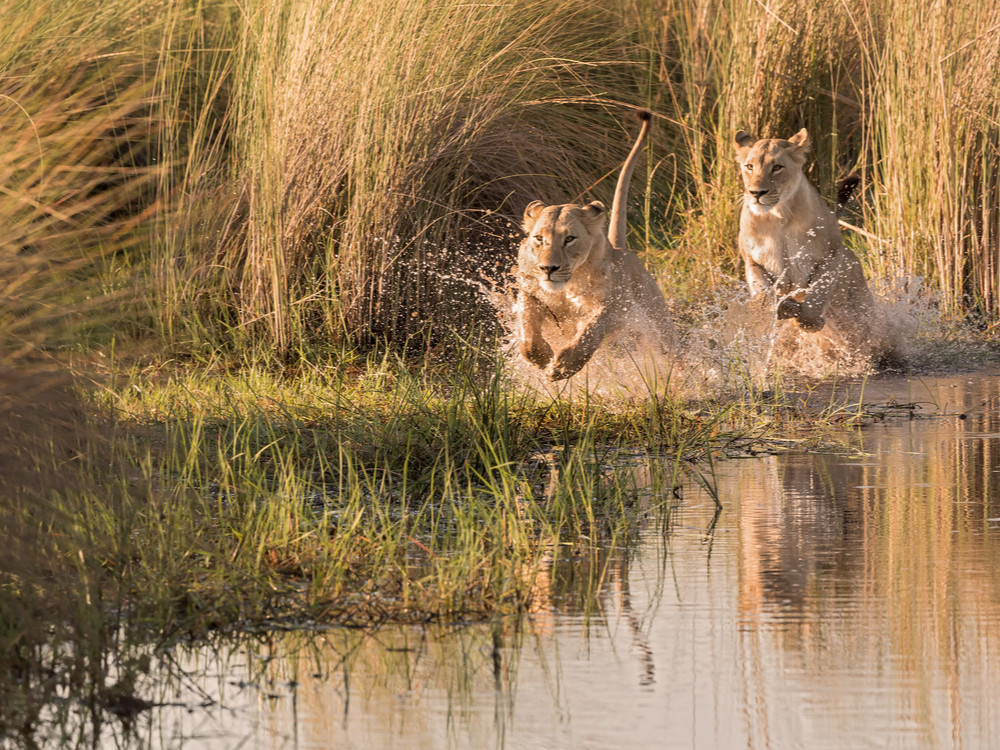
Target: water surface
838	601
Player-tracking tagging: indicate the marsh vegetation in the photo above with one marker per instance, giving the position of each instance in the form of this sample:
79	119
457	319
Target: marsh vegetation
252	370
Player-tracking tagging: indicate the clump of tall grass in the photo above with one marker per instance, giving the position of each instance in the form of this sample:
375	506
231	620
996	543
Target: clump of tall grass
228	501
376	151
359	173
934	101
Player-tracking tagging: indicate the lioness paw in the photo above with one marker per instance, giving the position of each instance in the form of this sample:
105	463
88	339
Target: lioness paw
538	352
563	367
789	308
792	306
811	324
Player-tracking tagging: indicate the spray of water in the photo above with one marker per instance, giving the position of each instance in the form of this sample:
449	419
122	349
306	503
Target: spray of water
735	346
739	346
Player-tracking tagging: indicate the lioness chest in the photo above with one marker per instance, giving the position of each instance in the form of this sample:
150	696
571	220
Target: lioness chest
787	249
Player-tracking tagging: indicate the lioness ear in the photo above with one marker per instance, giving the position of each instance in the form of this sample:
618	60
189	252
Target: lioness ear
594	213
531	214
800	140
744	139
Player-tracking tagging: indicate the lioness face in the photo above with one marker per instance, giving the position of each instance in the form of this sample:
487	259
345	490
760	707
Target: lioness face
771	168
560	239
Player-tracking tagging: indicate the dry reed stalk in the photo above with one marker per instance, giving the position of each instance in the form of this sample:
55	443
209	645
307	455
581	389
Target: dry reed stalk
934	103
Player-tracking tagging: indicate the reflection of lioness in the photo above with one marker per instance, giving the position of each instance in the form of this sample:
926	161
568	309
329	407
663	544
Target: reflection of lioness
790	241
578	285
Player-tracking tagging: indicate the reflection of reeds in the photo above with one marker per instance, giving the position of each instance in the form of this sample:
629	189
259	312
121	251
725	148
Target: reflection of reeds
881	567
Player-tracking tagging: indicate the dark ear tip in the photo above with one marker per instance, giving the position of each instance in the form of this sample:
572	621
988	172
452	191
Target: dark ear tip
644	114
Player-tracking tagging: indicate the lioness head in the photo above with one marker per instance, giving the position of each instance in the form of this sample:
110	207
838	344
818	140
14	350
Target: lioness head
560	239
771	168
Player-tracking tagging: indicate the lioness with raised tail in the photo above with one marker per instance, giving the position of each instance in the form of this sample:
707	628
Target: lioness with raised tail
791	245
578	284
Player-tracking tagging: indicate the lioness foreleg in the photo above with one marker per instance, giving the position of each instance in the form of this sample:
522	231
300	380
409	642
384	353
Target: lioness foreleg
816	296
793	305
534	348
570	360
758	279
789	305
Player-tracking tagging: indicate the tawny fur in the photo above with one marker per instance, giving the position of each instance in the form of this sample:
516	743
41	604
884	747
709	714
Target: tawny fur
791	246
577	287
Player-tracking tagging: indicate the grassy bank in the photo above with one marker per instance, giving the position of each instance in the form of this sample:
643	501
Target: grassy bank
192	503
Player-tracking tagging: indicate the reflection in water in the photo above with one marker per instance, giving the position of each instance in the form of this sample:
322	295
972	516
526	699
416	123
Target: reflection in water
869	588
839	601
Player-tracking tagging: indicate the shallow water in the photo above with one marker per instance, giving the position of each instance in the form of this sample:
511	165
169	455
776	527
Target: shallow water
837	601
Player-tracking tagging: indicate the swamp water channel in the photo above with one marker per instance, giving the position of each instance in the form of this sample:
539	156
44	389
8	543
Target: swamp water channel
838	600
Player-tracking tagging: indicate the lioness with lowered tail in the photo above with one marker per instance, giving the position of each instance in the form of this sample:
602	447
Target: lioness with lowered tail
578	285
790	242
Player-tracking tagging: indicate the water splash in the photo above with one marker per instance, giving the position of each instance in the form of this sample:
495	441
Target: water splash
736	345
745	346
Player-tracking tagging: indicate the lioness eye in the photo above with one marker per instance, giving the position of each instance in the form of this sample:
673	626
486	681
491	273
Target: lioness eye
776	168
569	239
539	239
748	167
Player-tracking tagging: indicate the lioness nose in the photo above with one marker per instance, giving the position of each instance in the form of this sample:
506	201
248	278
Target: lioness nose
548	270
758	194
